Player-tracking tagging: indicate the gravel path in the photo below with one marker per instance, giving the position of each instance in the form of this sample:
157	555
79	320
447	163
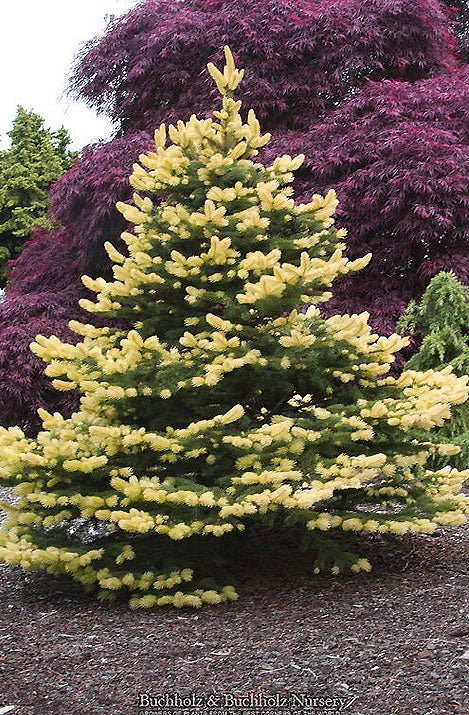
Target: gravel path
394	639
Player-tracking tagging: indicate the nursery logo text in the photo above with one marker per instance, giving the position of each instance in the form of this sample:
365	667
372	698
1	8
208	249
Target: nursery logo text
251	704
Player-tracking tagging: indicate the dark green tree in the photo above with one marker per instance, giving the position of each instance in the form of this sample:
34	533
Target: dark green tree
441	321
36	158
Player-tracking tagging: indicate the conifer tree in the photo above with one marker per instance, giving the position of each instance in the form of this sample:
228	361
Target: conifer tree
222	405
35	159
441	321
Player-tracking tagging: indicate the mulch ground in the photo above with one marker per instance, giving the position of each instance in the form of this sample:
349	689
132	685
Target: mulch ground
394	639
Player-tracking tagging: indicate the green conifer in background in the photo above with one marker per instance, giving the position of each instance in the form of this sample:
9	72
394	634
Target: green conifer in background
35	159
223	406
441	320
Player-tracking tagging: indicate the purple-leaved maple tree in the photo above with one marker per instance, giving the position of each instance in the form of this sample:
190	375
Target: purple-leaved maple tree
353	84
398	156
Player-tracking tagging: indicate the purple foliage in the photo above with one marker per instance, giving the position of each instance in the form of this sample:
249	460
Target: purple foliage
398	156
302	57
317	73
23	386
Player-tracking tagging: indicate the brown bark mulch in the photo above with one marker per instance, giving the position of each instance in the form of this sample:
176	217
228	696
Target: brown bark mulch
394	639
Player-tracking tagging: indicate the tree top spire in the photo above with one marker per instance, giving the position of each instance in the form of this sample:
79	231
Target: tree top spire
231	77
